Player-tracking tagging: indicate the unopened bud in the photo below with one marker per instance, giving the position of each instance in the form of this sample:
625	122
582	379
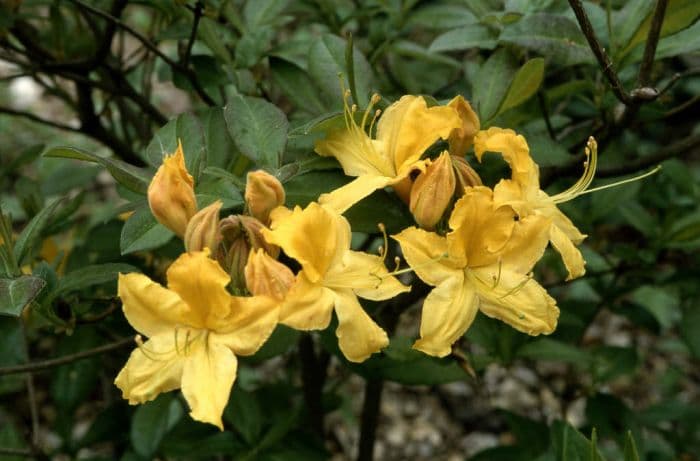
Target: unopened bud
203	229
263	193
432	192
266	276
462	138
239	236
171	193
466	176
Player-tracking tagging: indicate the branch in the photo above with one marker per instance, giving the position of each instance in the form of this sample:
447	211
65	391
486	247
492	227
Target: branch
369	419
52	363
599	52
34	118
193	34
652	41
17	452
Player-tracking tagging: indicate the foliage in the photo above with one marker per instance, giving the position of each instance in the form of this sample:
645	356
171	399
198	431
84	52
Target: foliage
254	84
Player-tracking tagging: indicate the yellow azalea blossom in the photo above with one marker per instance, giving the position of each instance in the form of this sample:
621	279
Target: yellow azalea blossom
406	129
171	193
331	278
523	192
482	264
195	329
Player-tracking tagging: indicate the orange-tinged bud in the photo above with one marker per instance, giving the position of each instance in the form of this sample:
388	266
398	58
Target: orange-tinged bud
466	176
266	276
239	236
432	192
203	229
462	138
171	193
263	193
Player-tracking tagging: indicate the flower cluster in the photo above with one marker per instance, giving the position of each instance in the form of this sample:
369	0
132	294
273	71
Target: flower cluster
475	245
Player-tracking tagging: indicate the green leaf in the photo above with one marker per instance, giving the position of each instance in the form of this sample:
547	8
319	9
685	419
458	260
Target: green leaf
16	294
133	178
464	38
71	384
186	128
280	341
243	412
639	218
489	90
679	15
548	349
659	302
555	37
30	236
627	20
327	61
152	421
297	85
684	233
686	41
142	232
258	128
630	448
690	326
612	361
221	150
569	444
263	12
91	275
12	352
525	84
441	17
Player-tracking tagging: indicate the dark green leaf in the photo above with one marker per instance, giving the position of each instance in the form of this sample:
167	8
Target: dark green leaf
660	302
152	421
245	415
16	294
685	41
569	444
142	232
133	178
74	382
258	128
441	17
31	234
91	275
12	352
548	349
297	85
690	326
489	90
630	448
555	37
525	84
464	38
186	128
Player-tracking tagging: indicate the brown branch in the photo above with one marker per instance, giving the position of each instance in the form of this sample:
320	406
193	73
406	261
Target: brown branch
37	119
599	52
53	363
652	40
193	33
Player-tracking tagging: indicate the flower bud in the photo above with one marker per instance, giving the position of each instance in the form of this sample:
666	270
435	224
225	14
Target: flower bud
239	236
263	193
462	138
171	193
203	229
432	192
266	276
466	176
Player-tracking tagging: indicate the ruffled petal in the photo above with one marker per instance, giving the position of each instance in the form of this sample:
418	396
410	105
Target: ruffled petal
346	196
426	254
447	313
358	335
152	309
462	138
251	322
572	257
357	153
527	244
515	299
207	377
366	275
308	306
153	368
201	283
408	127
514	149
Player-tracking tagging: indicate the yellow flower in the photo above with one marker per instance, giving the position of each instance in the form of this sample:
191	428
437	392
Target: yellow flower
203	229
405	130
195	330
171	193
331	278
462	138
482	264
432	192
263	193
523	193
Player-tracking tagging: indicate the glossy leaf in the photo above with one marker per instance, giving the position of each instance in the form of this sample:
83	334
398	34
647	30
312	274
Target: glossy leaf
16	294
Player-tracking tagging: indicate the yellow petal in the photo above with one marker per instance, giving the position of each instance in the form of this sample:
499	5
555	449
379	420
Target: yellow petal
479	230
408	127
366	275
358	335
171	193
346	196
152	309
201	283
515	299
462	138
207	377
564	224
308	306
573	260
515	151
426	254
153	368
267	276
357	153
447	313
250	324
527	244
315	237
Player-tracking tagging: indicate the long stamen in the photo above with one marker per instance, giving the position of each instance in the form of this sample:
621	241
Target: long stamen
624	181
585	180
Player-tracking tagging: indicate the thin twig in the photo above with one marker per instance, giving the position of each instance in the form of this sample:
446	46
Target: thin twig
313	377
599	52
370	419
17	452
34	118
193	34
643	78
52	363
545	114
